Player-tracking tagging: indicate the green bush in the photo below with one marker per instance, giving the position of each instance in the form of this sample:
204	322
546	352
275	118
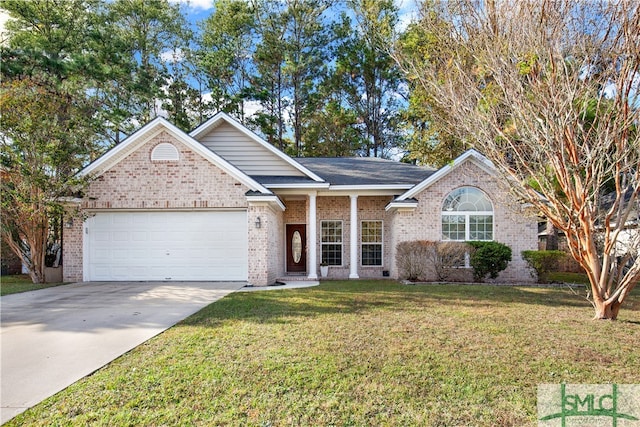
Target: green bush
489	258
543	262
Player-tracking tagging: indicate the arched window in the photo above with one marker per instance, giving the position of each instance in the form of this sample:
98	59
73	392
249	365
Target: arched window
467	214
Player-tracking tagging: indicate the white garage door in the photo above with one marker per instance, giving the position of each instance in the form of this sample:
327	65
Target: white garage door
166	246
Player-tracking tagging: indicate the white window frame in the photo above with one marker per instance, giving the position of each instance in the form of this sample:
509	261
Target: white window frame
341	243
381	243
467	223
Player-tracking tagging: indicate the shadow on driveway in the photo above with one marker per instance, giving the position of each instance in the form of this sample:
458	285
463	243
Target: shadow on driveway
52	337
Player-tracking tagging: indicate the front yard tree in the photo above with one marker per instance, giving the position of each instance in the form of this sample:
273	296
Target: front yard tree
44	141
48	131
549	92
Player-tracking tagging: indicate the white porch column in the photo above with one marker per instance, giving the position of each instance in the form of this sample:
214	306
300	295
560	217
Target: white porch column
311	237
353	244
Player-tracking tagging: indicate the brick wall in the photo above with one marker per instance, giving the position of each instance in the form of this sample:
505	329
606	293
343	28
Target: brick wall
296	212
513	226
136	182
338	208
72	249
266	245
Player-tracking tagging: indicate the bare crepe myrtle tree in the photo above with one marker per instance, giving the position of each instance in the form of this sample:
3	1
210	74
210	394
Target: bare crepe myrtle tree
548	91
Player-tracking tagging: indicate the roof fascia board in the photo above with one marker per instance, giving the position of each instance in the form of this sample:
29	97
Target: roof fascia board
328	192
217	160
403	206
102	163
111	158
70	201
204	128
271	200
341	188
298	186
359	192
370	187
471	154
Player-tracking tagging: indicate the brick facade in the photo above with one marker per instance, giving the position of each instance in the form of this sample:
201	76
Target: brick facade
138	183
513	226
266	245
337	208
194	183
72	249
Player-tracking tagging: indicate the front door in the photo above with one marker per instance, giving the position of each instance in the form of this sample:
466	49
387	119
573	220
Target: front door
296	248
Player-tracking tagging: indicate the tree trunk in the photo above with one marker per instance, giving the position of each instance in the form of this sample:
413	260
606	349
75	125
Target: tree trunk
606	311
37	277
36	269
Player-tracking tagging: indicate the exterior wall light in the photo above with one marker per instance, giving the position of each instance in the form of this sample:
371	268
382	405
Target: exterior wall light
258	222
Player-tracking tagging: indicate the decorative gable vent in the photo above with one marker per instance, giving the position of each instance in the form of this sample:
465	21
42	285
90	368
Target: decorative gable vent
164	152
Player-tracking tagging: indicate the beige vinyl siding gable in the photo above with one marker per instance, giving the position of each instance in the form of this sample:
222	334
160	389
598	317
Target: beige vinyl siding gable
245	153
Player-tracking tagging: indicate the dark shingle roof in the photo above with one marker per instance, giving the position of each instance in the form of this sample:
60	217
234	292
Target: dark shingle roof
364	170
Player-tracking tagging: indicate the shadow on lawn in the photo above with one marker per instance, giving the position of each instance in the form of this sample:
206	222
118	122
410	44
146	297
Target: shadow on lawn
286	306
355	297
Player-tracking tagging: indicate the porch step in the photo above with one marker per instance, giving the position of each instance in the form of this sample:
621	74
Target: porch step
287	279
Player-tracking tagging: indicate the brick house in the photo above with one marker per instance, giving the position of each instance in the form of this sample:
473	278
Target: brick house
220	203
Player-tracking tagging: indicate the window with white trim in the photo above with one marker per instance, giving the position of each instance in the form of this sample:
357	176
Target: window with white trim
467	214
331	242
371	243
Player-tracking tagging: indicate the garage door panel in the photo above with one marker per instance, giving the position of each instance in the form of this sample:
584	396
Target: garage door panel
167	246
139	236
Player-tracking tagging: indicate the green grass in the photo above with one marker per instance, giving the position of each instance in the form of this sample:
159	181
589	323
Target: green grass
359	354
21	283
564	277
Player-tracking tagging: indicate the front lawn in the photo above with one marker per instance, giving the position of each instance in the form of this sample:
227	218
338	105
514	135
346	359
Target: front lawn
21	283
358	353
565	277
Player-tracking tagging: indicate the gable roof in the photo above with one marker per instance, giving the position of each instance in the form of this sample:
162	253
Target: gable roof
278	156
150	130
469	155
366	171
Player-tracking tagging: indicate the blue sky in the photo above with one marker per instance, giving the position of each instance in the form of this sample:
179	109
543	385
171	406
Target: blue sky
197	10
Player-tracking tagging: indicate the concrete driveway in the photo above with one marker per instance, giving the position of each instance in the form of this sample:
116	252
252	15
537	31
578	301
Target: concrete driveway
52	337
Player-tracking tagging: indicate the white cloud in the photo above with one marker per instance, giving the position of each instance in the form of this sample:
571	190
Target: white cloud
406	13
195	4
172	56
251	108
4	17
